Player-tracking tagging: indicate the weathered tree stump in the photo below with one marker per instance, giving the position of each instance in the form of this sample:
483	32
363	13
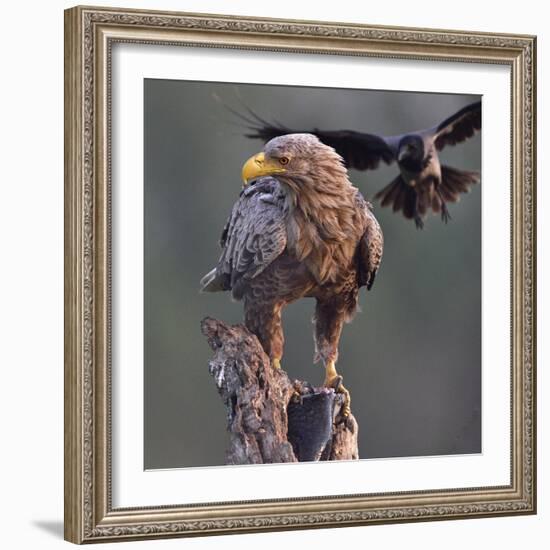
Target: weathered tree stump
269	418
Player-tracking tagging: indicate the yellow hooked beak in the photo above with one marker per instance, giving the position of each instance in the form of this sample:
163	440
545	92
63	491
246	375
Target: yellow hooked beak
257	166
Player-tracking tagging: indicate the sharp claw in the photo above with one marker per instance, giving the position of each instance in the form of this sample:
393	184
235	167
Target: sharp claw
296	396
337	385
419	222
335	381
346	409
445	215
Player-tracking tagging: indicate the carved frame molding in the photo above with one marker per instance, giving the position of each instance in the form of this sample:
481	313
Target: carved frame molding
89	35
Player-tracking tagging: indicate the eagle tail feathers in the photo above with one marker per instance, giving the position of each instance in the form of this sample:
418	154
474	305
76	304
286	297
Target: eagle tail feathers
211	282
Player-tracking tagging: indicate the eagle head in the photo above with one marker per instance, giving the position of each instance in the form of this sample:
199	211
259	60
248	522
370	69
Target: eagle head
294	157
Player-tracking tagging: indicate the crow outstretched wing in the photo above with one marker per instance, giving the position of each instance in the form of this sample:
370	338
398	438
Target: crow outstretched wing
364	151
359	150
458	127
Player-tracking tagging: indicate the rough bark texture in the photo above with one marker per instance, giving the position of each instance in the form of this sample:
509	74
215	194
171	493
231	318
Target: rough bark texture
271	419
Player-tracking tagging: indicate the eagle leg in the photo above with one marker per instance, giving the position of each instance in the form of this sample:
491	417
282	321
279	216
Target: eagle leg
329	318
264	320
335	381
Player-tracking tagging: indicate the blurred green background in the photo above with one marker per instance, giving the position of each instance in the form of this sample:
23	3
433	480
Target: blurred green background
411	358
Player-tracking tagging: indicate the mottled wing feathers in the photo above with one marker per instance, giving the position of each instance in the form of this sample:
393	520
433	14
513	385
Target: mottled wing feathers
458	127
254	236
371	247
359	150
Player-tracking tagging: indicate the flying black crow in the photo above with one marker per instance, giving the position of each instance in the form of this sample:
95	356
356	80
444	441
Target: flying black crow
423	182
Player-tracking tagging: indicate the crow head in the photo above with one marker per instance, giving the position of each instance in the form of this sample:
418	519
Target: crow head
410	153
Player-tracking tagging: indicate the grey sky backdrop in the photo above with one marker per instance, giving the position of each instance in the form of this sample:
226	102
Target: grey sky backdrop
411	359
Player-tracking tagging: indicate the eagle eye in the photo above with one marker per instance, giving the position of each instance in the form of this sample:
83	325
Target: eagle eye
284	161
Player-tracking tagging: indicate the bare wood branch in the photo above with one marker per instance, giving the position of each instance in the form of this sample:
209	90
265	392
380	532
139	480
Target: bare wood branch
271	419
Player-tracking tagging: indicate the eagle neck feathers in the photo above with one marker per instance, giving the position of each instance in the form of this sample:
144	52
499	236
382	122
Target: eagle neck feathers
322	221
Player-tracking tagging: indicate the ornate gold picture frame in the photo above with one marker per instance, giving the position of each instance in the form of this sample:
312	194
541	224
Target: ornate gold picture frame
90	34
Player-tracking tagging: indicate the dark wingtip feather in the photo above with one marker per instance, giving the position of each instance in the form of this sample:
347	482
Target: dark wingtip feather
371	280
459	127
259	128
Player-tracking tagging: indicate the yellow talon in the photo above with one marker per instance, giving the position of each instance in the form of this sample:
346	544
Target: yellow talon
346	407
334	380
276	363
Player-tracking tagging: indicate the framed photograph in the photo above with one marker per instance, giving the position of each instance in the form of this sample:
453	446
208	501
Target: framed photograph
229	180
